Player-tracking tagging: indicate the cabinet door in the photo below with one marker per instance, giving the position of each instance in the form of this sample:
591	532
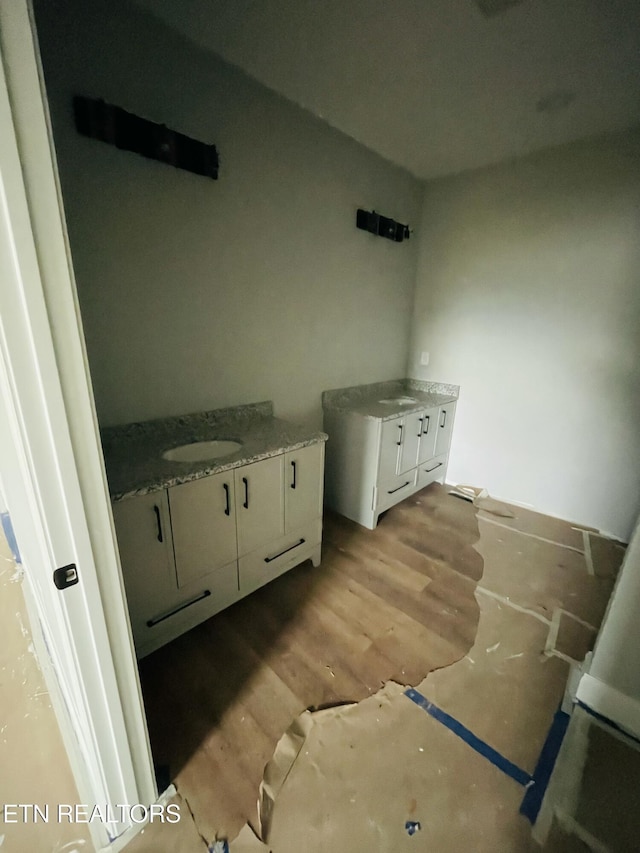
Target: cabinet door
143	529
391	435
429	429
259	502
204	525
411	433
303	471
445	428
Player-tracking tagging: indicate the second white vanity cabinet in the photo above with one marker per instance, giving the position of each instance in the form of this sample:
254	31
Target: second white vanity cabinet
375	462
192	549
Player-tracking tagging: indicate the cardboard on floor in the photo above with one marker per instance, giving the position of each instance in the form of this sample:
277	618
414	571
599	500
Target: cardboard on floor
35	768
386	605
351	778
466	596
383	775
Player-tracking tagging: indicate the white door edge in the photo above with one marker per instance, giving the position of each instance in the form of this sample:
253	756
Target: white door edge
54	483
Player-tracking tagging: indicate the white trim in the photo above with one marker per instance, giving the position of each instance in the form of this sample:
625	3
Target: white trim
610	703
47	212
53	475
571	827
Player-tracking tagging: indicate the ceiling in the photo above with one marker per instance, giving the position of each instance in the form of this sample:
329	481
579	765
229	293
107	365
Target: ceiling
435	86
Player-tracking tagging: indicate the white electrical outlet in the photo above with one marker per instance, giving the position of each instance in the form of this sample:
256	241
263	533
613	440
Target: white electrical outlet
424	359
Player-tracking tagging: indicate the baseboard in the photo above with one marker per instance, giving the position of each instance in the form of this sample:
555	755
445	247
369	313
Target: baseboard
620	709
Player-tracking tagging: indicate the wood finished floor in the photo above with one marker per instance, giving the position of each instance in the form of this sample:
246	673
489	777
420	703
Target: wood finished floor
391	604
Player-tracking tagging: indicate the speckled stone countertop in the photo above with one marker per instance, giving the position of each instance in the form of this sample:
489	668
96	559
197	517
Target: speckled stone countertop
133	452
365	400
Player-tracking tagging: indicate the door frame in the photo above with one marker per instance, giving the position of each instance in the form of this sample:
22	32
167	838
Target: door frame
53	474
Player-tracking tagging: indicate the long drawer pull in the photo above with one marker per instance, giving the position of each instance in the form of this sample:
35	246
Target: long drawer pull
429	470
391	491
158	619
227	508
286	550
159	522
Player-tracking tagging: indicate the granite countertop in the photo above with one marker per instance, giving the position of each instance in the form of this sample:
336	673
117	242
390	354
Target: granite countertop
364	400
133	452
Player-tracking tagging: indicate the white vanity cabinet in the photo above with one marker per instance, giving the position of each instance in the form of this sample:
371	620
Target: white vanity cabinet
303	490
193	549
203	520
373	464
390	443
445	428
427	425
143	525
300	531
259	503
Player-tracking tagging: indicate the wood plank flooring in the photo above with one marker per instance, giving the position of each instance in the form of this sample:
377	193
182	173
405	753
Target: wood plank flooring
391	604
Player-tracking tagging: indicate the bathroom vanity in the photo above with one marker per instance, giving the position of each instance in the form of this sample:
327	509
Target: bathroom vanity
207	508
386	441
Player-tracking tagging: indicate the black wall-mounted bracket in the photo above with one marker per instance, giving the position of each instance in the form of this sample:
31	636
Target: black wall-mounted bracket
381	225
99	120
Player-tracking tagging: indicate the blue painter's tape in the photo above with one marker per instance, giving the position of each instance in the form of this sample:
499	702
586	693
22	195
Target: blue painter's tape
11	539
469	738
541	775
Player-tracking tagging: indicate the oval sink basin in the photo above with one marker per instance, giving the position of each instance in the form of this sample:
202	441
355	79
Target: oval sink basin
399	401
201	451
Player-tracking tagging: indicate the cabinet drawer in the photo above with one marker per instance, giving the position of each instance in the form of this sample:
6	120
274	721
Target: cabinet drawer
278	556
390	492
191	605
431	470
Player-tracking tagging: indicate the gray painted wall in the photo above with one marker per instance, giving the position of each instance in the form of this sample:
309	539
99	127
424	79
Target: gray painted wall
197	294
528	296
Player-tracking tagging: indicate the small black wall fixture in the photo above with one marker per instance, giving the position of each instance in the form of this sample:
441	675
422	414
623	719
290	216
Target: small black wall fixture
381	225
99	120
